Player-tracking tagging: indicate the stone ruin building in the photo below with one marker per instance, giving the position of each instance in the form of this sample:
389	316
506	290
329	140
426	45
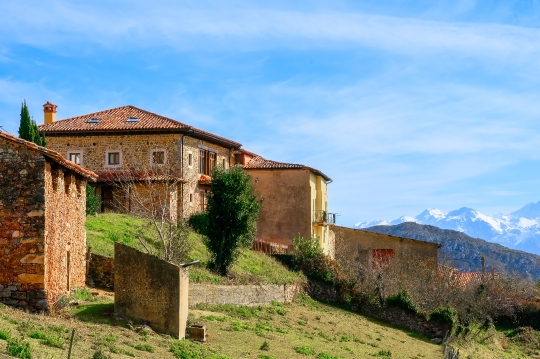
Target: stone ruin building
42	216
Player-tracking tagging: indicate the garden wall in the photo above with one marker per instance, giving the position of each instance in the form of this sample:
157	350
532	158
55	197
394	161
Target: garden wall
100	272
241	294
149	289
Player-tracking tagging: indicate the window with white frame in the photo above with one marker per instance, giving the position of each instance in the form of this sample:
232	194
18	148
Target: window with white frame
113	158
158	157
75	157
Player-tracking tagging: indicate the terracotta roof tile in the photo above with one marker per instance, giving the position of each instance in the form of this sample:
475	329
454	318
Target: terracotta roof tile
261	163
115	120
53	155
136	176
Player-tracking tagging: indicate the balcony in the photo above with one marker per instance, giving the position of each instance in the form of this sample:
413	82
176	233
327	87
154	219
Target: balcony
323	218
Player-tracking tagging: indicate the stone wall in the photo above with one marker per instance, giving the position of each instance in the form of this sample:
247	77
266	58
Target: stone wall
241	294
192	174
150	290
65	239
22	225
42	236
100	272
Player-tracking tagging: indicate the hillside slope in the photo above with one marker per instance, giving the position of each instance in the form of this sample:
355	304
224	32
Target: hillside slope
464	252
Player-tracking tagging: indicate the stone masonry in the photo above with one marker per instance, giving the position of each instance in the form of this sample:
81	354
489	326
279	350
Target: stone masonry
42	214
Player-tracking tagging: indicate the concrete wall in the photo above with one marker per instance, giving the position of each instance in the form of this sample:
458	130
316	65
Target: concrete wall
151	290
356	245
286	209
241	294
42	236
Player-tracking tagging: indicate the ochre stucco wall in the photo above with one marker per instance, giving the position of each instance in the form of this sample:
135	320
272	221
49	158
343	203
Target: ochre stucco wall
286	208
356	245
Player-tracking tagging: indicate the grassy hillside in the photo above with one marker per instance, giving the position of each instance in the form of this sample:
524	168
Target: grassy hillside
252	267
304	329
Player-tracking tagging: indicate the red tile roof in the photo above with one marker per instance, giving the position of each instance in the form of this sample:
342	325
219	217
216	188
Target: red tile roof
136	176
114	120
261	163
52	155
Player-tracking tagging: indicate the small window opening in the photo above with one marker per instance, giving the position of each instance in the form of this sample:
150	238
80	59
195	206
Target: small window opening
67	182
113	158
158	157
75	157
223	162
93	120
191	199
132	120
190	160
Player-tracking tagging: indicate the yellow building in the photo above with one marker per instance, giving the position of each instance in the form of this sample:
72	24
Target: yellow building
295	203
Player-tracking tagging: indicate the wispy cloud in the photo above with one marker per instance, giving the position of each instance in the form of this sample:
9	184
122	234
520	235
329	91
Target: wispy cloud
188	27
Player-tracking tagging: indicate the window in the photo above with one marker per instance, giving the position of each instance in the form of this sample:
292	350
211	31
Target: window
113	158
93	120
157	157
207	162
190	160
75	157
132	120
191	199
223	162
203	200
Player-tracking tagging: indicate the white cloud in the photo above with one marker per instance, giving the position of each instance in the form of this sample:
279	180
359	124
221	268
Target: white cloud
184	27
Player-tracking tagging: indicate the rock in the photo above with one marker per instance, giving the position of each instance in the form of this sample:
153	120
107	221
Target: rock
42	304
437	340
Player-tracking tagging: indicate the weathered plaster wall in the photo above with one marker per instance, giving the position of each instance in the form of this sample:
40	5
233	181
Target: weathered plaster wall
149	289
65	235
356	245
22	226
286	209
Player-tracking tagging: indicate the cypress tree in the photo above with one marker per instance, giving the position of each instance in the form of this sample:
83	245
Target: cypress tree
28	129
25	126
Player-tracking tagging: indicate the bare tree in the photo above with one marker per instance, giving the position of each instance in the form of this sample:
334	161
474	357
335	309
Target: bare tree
152	194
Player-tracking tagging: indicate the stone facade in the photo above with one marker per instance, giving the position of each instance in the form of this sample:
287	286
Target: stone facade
181	153
42	235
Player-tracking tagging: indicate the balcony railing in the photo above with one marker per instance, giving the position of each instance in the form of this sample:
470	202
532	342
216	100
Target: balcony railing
324	218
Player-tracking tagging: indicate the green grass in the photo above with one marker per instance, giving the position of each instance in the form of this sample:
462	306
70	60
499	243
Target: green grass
103	230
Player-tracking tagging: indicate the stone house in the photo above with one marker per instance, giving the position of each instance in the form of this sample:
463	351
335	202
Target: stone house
145	147
369	249
42	216
295	203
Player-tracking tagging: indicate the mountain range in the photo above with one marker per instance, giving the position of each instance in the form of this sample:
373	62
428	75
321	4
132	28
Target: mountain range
518	230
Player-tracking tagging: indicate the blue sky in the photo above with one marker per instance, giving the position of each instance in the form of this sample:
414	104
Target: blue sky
405	104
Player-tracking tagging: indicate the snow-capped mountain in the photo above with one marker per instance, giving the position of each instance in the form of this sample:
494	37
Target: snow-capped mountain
517	230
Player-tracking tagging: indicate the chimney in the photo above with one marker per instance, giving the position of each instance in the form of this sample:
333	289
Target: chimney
49	112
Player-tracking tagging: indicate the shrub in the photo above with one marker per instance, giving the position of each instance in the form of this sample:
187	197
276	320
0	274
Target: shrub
144	347
4	334
402	300
445	315
92	200
265	346
233	210
82	294
305	350
98	354
199	222
326	356
19	348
